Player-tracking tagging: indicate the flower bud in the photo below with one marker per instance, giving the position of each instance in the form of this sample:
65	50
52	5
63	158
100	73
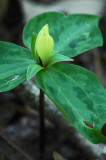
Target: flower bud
44	45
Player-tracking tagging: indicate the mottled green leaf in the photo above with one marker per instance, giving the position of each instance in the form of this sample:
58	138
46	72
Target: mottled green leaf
78	95
14	61
58	58
34	53
73	34
33	68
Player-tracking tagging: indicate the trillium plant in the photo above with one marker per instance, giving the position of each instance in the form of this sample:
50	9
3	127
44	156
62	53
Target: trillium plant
53	37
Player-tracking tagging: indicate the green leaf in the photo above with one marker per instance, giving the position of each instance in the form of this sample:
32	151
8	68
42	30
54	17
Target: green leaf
34	53
33	68
14	61
72	34
79	96
58	58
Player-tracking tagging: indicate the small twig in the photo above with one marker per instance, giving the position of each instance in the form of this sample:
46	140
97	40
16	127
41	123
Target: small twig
11	150
98	65
1	155
42	127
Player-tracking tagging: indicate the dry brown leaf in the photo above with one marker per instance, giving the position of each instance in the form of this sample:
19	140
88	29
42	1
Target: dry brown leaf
57	156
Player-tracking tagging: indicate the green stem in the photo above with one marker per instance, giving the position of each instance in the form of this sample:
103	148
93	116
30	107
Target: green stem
42	127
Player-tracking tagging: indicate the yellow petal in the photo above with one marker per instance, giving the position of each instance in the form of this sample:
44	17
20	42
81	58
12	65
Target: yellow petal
44	45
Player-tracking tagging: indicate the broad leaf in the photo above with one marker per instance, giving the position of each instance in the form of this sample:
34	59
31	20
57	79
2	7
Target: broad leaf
58	58
79	96
32	70
72	34
14	61
34	53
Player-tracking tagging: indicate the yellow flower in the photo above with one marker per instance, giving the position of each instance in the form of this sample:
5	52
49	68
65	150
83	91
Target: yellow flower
43	45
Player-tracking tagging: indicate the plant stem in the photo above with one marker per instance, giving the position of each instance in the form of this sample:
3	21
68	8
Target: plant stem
42	128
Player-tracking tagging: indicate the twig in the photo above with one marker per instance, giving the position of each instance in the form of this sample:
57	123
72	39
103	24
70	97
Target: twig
98	65
1	155
11	151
